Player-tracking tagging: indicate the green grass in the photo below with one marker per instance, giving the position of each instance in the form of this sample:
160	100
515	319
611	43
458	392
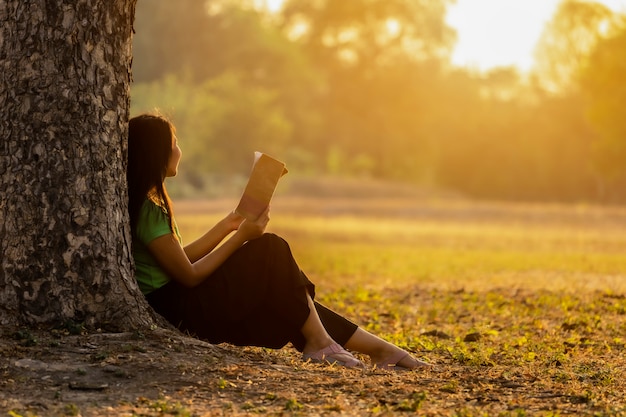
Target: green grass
458	249
523	310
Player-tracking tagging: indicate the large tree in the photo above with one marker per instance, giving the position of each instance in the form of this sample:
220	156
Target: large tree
65	70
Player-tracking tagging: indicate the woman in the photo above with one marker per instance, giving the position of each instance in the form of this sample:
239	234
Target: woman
248	290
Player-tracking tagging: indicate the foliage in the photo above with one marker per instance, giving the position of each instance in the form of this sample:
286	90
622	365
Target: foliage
220	122
363	88
568	40
602	82
381	61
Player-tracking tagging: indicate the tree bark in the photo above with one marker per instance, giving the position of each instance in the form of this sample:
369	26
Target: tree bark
65	73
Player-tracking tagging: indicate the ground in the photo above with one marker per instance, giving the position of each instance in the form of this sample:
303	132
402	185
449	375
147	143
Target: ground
521	308
160	372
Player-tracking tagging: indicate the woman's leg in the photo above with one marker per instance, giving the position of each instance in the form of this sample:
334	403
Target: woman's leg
381	352
349	335
318	343
315	335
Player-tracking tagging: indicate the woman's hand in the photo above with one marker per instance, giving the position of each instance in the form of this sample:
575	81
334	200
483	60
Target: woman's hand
252	229
232	221
194	263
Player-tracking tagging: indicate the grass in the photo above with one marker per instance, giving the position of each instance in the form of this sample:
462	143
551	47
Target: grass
454	249
522	307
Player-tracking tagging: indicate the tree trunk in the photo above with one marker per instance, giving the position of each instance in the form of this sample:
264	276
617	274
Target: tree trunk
64	100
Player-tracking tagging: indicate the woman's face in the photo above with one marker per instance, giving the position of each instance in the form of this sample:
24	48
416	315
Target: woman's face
172	166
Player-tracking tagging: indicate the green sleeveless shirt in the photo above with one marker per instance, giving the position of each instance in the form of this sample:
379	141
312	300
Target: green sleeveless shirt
152	223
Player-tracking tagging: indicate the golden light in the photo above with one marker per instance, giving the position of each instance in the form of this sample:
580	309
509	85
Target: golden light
492	33
393	27
495	33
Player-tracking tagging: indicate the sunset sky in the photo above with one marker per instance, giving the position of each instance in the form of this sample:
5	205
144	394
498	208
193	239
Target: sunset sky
502	32
495	33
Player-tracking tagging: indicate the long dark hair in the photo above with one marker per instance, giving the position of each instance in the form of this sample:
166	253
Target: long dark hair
150	139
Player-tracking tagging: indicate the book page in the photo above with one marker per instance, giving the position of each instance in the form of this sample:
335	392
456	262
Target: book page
266	171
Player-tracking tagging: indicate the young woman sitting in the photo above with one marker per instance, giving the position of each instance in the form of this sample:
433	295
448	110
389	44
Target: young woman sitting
248	291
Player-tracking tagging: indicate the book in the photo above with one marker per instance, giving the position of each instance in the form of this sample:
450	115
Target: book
266	171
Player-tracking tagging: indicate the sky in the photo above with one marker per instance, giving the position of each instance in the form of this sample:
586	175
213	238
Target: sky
495	33
492	33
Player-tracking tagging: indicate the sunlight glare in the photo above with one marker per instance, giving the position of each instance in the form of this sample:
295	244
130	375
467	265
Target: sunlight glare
274	5
393	27
496	33
493	33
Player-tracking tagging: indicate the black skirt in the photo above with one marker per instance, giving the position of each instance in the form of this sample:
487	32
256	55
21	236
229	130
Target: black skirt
257	297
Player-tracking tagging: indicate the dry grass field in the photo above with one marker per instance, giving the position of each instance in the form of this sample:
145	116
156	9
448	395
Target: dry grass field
447	243
521	307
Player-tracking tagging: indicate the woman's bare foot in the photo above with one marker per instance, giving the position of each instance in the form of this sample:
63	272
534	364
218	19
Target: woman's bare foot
409	362
334	353
397	358
383	354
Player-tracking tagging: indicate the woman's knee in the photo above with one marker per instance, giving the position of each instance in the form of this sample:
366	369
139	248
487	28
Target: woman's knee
271	240
271	237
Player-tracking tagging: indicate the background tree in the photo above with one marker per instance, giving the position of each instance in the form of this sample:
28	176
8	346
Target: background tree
605	92
568	39
365	88
381	61
230	80
514	146
64	232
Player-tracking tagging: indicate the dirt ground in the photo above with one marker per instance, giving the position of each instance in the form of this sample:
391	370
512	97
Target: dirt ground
166	373
160	372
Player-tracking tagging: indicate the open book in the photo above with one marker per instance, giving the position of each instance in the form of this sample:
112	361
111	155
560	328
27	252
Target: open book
266	171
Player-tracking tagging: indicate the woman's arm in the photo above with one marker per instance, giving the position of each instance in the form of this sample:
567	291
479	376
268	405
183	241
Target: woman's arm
172	258
209	241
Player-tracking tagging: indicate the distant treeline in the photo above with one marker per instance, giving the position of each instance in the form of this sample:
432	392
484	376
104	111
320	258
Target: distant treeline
364	88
